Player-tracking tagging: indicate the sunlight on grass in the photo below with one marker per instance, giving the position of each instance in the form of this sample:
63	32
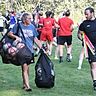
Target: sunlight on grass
10	93
68	80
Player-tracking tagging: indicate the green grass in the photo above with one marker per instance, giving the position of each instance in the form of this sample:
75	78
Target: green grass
69	81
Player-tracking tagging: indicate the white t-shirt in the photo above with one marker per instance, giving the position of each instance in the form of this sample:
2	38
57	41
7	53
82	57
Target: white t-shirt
2	20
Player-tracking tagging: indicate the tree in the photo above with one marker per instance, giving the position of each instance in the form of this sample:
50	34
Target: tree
75	6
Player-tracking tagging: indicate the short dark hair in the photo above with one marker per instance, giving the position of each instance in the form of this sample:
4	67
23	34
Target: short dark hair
40	13
90	9
48	13
67	13
52	15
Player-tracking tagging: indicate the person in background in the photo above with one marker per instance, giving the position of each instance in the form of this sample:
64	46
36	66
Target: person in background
30	34
65	36
81	57
82	53
13	19
88	27
46	34
57	29
40	24
3	20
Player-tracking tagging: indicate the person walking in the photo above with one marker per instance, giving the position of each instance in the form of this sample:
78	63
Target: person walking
65	35
3	22
30	35
13	19
88	27
46	34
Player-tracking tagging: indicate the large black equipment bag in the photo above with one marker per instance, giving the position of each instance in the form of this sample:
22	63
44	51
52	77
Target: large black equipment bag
23	53
44	72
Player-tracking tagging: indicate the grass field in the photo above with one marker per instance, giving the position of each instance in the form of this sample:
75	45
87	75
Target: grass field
69	81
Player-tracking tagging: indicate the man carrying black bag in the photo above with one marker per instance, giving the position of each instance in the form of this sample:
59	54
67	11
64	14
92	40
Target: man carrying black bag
29	35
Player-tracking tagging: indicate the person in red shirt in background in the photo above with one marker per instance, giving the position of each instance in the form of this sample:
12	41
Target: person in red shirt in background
46	34
65	36
40	24
54	30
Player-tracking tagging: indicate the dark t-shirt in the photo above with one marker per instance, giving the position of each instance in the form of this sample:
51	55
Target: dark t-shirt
89	28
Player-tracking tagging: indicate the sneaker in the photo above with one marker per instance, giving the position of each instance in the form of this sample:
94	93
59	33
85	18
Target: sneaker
79	68
71	57
60	60
95	88
49	53
94	85
28	90
56	58
68	58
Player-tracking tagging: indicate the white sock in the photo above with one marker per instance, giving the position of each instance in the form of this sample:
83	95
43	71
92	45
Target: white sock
80	64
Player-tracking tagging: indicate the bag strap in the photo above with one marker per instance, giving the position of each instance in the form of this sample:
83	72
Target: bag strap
4	36
21	31
9	31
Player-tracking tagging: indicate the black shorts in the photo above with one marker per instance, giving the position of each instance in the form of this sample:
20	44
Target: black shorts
1	29
57	39
82	43
91	57
25	56
63	39
39	33
54	32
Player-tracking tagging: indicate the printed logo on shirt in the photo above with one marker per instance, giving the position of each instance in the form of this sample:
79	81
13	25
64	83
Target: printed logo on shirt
27	33
48	22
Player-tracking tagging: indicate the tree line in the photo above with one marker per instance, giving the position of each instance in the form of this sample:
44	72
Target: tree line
75	6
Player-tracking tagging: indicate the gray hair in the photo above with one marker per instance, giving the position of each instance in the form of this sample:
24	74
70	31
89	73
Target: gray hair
24	16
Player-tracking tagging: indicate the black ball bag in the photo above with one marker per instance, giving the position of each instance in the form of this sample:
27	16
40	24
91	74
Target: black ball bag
44	72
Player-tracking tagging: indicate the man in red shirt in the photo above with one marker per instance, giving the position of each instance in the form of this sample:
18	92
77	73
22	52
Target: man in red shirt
40	24
46	34
65	35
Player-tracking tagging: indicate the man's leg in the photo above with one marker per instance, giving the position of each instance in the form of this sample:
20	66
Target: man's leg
57	52
69	53
61	53
69	48
25	76
50	47
93	73
81	57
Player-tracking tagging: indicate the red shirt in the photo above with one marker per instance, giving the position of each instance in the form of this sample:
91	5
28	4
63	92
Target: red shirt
55	22
40	23
47	24
41	20
65	24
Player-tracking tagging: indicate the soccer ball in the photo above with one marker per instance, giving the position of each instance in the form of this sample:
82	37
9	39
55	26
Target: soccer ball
20	45
16	42
12	51
6	46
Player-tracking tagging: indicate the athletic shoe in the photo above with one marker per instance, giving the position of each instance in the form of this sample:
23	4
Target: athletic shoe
79	68
56	58
68	58
60	60
71	57
49	53
28	90
94	85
